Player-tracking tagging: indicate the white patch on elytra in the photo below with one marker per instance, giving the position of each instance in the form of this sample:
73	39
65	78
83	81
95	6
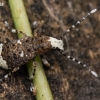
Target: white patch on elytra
22	54
19	42
3	63
56	43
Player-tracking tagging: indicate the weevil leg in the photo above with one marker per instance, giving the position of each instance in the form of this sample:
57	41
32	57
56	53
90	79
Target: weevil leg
9	74
33	70
45	62
33	89
12	29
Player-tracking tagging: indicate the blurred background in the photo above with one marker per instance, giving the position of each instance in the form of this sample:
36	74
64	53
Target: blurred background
67	79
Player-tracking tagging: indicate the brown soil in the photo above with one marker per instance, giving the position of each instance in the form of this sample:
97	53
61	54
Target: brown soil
68	80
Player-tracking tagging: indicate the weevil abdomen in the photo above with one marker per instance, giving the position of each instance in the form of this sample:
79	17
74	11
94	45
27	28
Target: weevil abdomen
17	52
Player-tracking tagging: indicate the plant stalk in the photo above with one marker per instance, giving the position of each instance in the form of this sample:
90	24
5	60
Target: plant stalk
21	22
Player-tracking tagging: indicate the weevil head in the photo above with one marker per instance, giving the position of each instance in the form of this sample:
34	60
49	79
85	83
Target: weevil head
45	43
55	43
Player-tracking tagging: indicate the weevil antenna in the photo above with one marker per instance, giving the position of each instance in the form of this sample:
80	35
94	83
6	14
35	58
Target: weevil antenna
78	22
82	64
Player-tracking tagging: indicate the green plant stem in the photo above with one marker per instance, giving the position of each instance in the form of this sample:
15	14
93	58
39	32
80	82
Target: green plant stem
21	22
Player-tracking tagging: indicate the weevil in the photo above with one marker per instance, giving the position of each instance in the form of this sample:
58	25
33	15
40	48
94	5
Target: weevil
15	53
18	52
